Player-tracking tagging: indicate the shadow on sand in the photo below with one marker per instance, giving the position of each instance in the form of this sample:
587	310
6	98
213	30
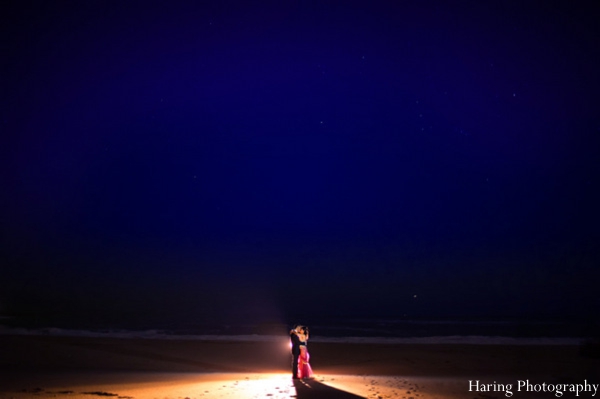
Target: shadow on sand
312	389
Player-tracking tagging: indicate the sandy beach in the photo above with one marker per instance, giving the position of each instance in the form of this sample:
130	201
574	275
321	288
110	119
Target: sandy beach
77	367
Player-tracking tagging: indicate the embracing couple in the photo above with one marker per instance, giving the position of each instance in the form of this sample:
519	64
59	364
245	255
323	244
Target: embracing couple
300	366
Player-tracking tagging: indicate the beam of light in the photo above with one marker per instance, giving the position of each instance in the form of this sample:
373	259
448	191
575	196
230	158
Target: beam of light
204	385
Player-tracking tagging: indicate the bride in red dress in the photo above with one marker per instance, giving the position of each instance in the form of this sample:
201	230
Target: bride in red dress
304	369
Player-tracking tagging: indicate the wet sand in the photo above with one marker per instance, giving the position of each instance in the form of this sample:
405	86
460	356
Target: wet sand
75	367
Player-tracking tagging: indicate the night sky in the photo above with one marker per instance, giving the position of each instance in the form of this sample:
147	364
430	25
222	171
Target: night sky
276	161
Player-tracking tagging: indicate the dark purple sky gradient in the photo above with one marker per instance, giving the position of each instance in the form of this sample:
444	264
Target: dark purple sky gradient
299	157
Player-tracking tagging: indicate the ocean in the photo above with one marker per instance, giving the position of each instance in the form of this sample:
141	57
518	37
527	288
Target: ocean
430	331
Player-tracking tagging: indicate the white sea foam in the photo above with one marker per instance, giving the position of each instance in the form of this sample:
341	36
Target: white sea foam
157	334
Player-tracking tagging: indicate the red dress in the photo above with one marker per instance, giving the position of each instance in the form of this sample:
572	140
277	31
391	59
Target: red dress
304	369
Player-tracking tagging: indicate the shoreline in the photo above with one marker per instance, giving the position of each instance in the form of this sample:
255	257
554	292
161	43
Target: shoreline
273	338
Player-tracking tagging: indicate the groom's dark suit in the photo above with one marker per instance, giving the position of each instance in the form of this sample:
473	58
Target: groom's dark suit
295	352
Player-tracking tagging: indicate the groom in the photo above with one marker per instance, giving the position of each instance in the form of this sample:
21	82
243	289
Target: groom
295	351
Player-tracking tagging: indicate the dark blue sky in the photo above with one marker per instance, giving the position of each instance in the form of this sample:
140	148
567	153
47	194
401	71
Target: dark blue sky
299	157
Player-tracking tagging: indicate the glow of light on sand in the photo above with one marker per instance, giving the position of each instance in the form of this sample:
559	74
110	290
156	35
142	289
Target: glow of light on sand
204	385
274	385
244	386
